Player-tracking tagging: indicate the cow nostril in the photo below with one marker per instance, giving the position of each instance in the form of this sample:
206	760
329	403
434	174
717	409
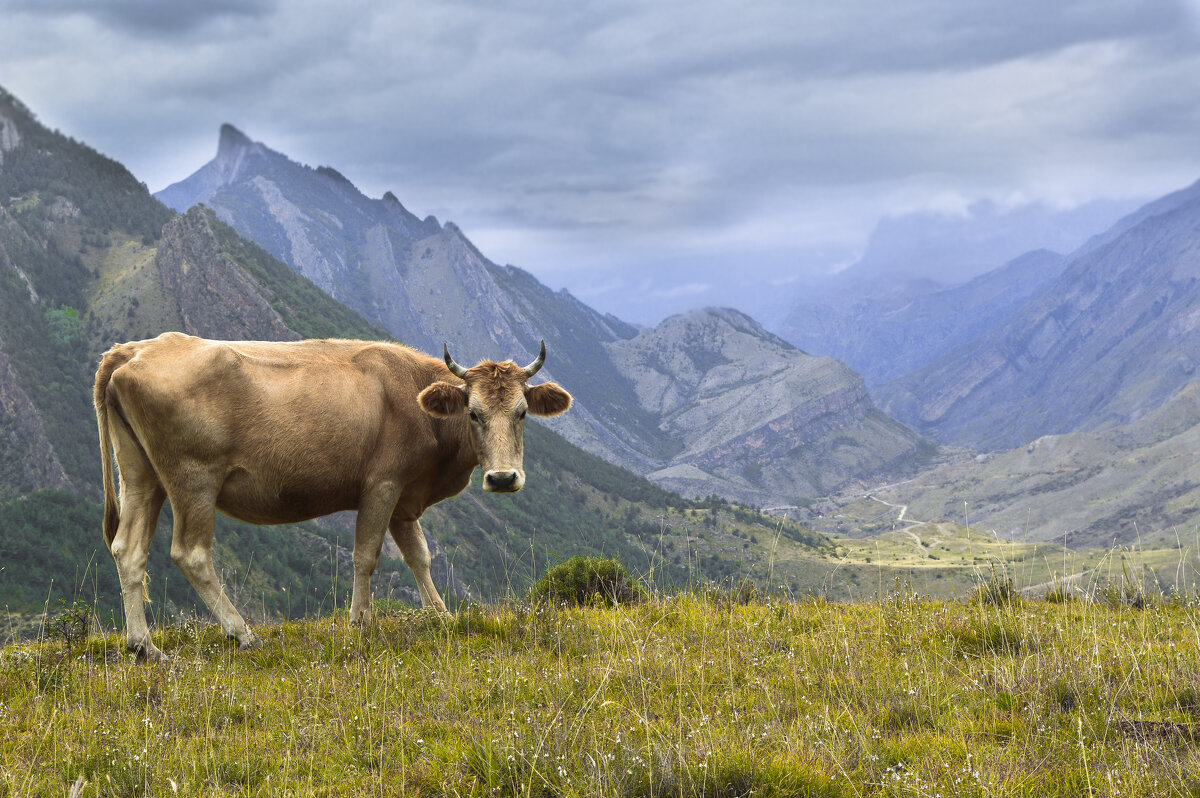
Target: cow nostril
501	480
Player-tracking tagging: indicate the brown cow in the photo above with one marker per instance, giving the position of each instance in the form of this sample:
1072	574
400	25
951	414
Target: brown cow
274	433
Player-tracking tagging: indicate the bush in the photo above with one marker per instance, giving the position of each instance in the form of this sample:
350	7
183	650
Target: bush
583	581
72	623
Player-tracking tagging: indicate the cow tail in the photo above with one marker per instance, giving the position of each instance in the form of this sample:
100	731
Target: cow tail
112	514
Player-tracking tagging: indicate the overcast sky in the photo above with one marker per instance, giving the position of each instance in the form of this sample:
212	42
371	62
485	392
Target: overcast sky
592	140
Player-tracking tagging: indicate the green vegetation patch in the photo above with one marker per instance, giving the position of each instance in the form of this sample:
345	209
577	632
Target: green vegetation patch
582	581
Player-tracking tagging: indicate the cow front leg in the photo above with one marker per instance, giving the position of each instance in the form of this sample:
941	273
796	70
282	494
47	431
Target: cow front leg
374	509
415	550
191	551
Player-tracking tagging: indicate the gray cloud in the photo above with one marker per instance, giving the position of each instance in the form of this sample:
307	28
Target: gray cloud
605	133
147	17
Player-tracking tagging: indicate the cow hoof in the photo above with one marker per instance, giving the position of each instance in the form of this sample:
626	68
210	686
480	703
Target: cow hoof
145	652
251	642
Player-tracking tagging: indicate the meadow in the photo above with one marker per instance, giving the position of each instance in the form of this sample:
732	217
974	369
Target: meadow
703	692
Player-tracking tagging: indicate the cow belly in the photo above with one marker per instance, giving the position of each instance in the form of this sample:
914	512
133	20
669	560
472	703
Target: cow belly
250	499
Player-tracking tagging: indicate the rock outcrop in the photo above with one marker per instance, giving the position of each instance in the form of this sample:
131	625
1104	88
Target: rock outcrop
215	295
28	461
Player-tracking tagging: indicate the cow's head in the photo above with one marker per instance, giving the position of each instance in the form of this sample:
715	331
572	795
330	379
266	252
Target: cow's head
495	398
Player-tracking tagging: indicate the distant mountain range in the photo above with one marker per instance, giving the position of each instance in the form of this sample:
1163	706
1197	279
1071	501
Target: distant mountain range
1110	339
641	403
898	327
1076	372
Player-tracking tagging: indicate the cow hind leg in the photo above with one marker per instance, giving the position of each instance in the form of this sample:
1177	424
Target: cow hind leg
142	497
415	550
130	548
191	551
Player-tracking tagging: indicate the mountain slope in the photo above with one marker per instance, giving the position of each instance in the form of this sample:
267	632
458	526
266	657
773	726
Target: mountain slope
422	281
1137	483
426	283
62	206
763	419
1111	339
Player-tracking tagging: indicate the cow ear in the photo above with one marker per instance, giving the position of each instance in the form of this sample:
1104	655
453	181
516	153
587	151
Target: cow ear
442	400
547	399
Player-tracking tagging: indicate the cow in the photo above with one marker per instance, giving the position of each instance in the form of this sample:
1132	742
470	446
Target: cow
282	432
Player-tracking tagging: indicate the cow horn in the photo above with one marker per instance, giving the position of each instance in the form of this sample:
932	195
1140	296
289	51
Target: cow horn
458	370
536	365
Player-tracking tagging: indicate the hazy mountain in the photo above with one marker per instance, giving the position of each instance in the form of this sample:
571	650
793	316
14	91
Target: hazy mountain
930	281
953	248
886	335
426	283
1114	336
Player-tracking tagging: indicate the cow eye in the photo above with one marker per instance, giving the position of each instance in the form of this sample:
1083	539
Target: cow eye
474	416
521	416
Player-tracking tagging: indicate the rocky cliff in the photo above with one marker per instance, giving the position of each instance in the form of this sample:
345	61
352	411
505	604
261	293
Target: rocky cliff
216	297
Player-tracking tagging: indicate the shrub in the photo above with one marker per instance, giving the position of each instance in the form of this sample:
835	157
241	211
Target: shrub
71	623
582	581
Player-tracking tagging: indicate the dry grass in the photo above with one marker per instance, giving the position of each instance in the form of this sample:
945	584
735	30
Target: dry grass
686	695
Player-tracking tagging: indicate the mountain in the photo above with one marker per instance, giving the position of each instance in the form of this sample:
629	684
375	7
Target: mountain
930	281
87	258
1109	340
884	335
765	420
954	248
425	283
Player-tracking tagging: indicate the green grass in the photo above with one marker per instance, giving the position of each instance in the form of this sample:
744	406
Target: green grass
677	696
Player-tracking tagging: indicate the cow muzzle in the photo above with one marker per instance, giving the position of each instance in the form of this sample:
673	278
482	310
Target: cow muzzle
503	480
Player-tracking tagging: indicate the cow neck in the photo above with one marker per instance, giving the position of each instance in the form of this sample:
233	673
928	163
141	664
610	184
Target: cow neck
454	438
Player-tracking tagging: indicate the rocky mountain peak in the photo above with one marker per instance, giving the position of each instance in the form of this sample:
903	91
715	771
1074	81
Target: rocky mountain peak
760	419
231	140
642	398
718	325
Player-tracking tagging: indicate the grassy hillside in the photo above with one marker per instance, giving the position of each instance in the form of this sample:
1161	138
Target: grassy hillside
683	695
